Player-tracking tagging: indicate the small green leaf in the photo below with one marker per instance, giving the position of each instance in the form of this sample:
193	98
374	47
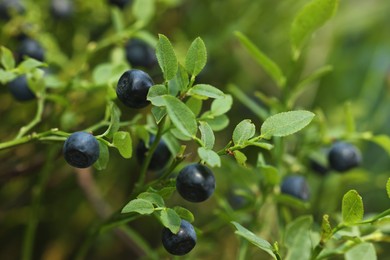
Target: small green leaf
265	62
243	131
28	65
115	114
170	219
217	123
184	213
166	57
204	91
362	251
263	145
6	76
209	157
159	113
122	141
221	105
207	135
285	123
181	116
104	157
312	16
383	141
388	187
141	206
143	10
298	238
179	82
326	229
240	157
352	207
271	175
196	57
35	80
7	58
251	237
102	73
154	198
155	94
195	105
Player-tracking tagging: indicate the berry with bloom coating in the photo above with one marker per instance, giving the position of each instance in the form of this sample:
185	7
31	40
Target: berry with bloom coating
344	156
81	149
20	90
160	157
296	186
182	242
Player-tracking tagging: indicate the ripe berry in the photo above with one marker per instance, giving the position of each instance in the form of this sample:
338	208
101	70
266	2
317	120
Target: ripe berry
81	149
120	3
140	54
195	182
182	242
61	9
160	156
9	7
133	87
296	186
20	90
318	167
343	156
31	48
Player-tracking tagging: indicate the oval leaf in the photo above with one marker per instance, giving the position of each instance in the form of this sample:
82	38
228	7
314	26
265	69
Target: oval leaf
170	219
196	57
154	198
298	238
104	156
285	123
210	157
7	58
204	91
352	207
181	116
207	135
184	213
122	141
310	18
140	206
243	131
221	105
155	93
143	10
363	251
166	57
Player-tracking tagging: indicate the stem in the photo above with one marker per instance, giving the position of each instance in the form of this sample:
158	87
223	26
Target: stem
37	194
35	121
243	250
149	155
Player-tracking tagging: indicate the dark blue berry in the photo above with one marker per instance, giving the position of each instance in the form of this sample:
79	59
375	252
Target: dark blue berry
195	183
9	7
160	157
31	48
61	9
182	242
81	149
133	87
120	3
318	167
344	156
20	90
296	186
140	54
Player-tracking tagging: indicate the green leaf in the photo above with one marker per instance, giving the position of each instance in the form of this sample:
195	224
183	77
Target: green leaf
383	141
179	82
195	105
270	67
141	206
207	135
240	157
35	80
252	238
7	58
271	175
326	229
166	57
155	94
122	141
102	73
352	207
28	65
184	213
263	145
153	198
388	187
143	10
181	116
196	57
243	131
115	114
312	16
297	238
362	251
6	76
170	219
172	143
104	157
204	91
285	123
221	105
159	113
217	123
209	157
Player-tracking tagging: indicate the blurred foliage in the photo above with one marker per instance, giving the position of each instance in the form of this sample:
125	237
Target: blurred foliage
355	42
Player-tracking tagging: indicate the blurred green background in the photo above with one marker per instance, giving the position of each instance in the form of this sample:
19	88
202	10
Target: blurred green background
356	42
